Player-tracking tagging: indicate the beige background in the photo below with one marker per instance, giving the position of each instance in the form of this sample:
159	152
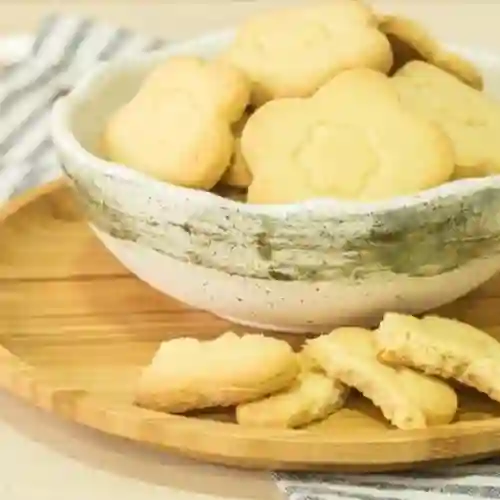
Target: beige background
43	458
169	18
172	18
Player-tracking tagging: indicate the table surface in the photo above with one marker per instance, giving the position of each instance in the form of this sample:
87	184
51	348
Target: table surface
44	458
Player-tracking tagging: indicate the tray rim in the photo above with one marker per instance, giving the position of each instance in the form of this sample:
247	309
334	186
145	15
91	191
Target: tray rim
395	449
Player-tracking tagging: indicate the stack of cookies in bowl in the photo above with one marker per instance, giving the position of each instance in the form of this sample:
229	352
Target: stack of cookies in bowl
299	95
317	166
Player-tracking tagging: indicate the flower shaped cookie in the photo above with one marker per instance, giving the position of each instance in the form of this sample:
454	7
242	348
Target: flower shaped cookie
469	117
291	52
187	374
351	140
178	126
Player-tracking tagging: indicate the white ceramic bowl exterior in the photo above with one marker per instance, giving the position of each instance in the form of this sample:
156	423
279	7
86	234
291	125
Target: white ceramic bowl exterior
301	267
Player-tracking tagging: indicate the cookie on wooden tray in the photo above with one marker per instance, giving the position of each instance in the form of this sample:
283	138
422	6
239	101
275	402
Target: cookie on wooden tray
470	118
411	41
188	374
292	51
313	396
444	347
351	140
409	400
177	128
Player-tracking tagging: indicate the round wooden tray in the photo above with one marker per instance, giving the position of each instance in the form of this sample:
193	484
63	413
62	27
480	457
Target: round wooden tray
76	328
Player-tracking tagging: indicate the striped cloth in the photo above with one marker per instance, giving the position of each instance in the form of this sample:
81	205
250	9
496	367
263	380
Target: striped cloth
64	49
461	482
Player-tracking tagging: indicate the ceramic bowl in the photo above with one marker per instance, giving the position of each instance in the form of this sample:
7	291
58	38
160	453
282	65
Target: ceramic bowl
298	267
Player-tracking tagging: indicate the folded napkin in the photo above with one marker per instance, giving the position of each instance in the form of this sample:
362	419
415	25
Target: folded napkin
63	50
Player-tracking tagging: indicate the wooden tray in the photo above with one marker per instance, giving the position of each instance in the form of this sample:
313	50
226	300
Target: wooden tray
76	327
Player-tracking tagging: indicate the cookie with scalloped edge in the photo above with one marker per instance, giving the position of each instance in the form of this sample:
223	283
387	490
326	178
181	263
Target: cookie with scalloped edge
291	52
443	347
470	118
177	128
408	399
351	140
411	41
189	374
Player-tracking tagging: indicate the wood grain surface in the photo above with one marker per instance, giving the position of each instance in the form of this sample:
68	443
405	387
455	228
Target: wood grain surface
76	328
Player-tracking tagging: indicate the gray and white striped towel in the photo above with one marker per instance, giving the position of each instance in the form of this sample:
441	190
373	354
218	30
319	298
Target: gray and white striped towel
64	49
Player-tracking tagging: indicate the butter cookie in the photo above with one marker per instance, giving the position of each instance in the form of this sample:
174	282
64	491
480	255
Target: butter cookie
470	118
291	52
188	374
410	41
313	396
409	400
444	347
177	128
351	140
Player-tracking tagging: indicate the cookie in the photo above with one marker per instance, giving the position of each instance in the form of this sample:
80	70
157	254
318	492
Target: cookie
238	174
410	41
313	396
470	118
444	347
351	140
177	128
409	400
188	374
291	52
